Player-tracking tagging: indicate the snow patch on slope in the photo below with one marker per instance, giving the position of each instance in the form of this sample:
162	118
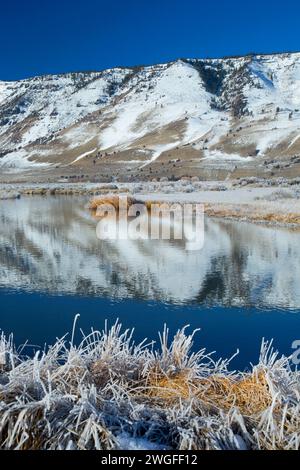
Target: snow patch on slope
84	155
176	93
19	160
217	155
155	108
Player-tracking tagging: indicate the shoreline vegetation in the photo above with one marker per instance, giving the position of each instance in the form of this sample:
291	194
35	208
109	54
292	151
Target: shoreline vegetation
251	200
246	212
109	393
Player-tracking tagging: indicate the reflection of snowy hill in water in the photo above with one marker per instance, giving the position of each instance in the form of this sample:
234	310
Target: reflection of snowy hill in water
51	245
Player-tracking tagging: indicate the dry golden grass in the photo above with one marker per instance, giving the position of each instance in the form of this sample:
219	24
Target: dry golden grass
169	388
114	201
252	213
110	200
250	394
86	396
248	212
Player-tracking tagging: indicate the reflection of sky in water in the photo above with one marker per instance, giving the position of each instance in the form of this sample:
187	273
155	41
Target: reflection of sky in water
242	286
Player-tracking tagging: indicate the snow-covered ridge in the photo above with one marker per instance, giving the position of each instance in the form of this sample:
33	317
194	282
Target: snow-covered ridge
247	106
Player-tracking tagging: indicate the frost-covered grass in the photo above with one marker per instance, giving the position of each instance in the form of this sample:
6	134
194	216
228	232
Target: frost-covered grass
109	393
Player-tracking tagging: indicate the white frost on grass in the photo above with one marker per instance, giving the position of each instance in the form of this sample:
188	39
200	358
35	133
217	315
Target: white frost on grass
99	393
127	442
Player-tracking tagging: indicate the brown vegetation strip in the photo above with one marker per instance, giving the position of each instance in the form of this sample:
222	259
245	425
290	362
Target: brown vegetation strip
251	213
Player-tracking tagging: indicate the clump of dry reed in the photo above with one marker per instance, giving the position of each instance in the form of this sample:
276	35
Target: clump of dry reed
110	200
114	201
88	396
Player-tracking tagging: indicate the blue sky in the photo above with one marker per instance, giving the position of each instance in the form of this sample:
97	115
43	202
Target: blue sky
38	37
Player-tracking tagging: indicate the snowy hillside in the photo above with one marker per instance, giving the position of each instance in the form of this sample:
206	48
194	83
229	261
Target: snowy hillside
210	112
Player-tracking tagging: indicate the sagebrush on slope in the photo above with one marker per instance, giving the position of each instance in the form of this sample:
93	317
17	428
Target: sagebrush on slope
241	111
92	395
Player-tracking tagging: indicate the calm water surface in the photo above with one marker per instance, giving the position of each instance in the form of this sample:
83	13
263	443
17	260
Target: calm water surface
242	286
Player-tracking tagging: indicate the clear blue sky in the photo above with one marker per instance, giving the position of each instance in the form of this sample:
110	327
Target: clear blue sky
43	36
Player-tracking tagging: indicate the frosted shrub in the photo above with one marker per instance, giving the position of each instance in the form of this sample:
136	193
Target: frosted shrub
110	393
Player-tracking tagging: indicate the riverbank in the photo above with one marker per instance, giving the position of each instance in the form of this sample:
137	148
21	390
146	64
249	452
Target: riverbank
108	393
276	202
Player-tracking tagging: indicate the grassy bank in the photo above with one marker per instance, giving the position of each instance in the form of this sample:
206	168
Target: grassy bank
267	212
108	393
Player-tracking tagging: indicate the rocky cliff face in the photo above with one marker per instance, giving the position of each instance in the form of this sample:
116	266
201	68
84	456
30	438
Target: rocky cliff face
220	113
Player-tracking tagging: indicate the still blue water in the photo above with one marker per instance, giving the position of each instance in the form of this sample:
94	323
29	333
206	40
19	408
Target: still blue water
242	286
